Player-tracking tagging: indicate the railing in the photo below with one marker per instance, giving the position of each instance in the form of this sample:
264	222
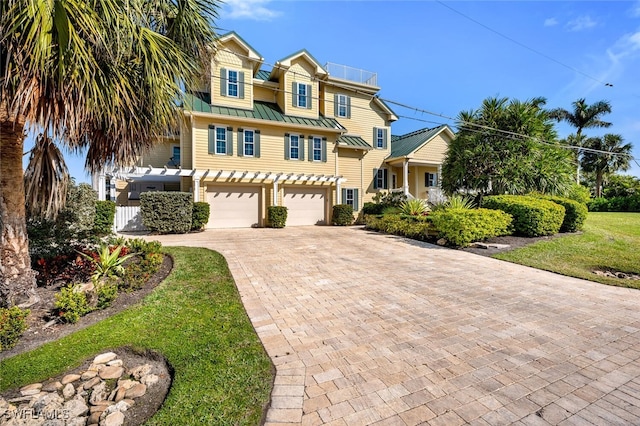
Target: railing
352	74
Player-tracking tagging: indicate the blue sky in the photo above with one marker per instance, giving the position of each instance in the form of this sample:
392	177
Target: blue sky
432	58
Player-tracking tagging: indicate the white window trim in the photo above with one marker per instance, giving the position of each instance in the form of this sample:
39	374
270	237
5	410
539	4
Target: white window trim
342	102
352	199
379	138
226	140
291	147
305	96
244	142
237	83
313	149
380	178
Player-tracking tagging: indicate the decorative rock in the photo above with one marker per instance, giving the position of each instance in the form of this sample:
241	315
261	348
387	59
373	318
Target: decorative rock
114	419
95	417
442	242
99	393
68	391
120	406
89	374
104	358
129	401
120	394
70	378
91	383
140	371
113	372
136	391
78	421
32	389
52	386
101	405
76	407
115	362
126	383
149	379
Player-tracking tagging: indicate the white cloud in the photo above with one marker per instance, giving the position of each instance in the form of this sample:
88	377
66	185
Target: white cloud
583	22
550	22
635	10
256	10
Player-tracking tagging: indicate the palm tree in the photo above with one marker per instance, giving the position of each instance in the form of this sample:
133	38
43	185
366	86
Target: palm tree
582	116
603	164
100	75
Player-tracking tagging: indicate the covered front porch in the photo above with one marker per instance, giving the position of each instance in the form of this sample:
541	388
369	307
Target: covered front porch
416	178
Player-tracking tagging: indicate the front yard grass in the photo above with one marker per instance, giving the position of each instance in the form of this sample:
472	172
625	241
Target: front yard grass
610	242
196	320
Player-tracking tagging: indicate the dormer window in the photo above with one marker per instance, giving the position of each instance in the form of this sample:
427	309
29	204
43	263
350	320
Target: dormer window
302	97
231	83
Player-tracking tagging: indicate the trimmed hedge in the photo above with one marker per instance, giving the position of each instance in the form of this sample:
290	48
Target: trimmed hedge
630	203
342	215
105	214
167	212
200	215
416	227
460	227
13	322
575	213
277	216
532	217
372	208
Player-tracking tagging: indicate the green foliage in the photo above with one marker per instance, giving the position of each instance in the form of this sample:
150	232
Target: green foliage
416	227
13	322
105	214
460	226
455	201
574	215
167	212
200	215
342	215
139	245
615	204
532	217
109	261
604	165
277	216
71	304
106	293
391	210
372	208
621	186
390	198
81	201
413	207
493	162
578	193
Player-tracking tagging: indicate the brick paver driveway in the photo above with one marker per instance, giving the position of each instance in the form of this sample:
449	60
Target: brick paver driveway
372	329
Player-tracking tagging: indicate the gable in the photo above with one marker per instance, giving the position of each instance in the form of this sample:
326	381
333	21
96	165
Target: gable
433	151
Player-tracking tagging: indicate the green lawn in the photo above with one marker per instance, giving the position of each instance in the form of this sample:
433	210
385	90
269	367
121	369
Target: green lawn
610	241
196	320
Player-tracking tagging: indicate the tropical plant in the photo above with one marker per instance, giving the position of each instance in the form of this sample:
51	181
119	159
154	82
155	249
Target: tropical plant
459	202
621	186
506	146
582	116
413	207
104	76
109	261
610	155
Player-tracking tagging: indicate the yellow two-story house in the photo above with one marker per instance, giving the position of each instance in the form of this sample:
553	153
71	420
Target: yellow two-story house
301	135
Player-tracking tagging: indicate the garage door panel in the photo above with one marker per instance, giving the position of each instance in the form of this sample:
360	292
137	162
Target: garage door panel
305	206
233	207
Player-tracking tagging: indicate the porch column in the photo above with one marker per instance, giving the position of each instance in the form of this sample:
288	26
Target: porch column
99	183
196	190
338	192
275	192
439	175
405	176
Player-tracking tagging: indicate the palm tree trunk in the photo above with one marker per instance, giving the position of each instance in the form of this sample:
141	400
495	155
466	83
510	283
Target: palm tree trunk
599	183
17	279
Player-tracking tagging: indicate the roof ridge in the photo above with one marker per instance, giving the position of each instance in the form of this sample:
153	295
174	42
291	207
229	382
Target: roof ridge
424	130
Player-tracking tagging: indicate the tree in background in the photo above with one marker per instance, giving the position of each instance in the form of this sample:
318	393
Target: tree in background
100	75
581	117
621	186
506	146
604	164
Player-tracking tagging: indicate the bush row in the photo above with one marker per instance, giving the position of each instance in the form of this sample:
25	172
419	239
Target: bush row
460	227
416	227
629	203
575	213
532	217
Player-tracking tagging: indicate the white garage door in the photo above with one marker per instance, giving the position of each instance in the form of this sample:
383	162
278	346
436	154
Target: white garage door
233	207
305	206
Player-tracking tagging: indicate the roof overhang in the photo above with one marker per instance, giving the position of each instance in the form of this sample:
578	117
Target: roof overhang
385	108
251	54
399	161
285	63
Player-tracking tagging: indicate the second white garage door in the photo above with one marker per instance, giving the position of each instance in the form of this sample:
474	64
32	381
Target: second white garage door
305	206
233	207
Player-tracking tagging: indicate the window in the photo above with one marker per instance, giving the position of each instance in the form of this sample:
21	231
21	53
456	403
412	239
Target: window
380	179
294	147
350	197
248	149
220	140
430	179
380	138
317	149
301	94
231	83
342	106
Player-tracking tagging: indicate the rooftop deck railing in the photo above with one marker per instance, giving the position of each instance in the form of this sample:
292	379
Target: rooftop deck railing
352	74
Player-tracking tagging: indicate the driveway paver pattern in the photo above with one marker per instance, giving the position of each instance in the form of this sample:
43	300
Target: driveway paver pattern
365	328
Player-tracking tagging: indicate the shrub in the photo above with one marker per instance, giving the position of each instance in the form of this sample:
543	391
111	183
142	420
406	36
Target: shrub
71	304
63	268
342	215
390	198
532	217
200	215
575	213
105	214
109	261
138	245
615	204
413	207
81	203
416	227
372	208
463	226
13	322
106	293
167	212
578	193
276	216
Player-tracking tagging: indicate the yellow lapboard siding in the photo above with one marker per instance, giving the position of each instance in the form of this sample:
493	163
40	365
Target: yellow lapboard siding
272	147
160	154
264	94
417	181
185	144
301	71
229	56
433	151
349	163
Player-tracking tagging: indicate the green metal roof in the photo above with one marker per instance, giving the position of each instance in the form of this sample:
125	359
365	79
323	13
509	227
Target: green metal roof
261	111
263	75
354	142
401	146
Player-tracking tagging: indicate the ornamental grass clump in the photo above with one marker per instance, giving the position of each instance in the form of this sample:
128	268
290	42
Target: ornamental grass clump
414	207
